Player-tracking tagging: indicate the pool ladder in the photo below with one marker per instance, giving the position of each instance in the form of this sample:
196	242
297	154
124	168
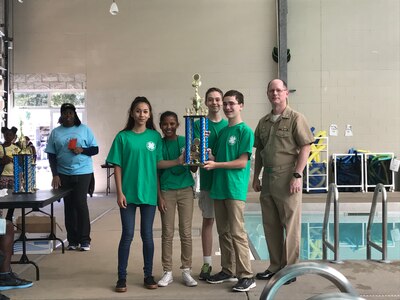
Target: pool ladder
379	190
293	271
333	196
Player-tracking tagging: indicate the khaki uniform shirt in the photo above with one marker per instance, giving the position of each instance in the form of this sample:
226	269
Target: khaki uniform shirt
279	142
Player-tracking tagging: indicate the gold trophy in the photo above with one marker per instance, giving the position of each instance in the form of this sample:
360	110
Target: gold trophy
195	132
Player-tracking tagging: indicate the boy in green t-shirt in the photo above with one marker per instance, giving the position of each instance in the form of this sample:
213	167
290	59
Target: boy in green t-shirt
213	101
232	151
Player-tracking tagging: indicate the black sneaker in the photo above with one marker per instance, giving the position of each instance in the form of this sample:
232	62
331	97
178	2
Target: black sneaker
205	272
221	277
85	246
150	283
266	275
121	286
244	285
10	281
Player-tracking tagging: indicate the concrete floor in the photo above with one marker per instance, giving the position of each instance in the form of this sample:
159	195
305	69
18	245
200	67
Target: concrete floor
92	275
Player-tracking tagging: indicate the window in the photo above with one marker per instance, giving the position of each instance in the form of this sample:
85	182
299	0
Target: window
76	98
31	99
49	99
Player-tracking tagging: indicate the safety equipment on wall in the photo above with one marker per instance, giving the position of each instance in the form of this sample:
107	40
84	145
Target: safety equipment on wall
275	54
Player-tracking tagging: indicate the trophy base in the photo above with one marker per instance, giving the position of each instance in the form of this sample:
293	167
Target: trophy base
25	192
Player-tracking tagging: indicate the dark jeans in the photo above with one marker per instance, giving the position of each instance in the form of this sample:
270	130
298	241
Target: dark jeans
76	211
147	213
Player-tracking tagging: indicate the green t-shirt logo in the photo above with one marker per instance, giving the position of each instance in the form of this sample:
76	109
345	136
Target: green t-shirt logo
151	146
232	140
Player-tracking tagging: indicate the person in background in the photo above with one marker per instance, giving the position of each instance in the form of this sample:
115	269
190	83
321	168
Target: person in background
6	160
6	157
8	279
136	153
282	141
233	150
70	148
176	185
213	101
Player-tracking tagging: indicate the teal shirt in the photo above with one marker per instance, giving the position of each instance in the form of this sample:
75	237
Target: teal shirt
177	177
137	154
232	142
69	163
206	177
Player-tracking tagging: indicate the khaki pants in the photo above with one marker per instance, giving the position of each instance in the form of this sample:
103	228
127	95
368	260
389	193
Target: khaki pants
233	237
281	215
182	200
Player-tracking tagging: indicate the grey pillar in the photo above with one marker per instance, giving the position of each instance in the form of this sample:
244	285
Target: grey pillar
282	39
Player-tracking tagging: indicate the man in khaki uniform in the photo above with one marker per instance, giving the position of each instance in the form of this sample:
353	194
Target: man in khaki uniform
282	142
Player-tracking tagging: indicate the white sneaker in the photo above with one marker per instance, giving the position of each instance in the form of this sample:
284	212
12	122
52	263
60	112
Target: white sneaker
187	278
166	279
85	247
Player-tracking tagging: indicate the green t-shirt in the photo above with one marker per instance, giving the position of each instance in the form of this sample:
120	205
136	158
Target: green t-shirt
206	177
232	142
177	177
137	154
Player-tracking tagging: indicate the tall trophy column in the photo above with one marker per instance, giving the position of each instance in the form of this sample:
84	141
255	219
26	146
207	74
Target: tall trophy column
196	139
24	168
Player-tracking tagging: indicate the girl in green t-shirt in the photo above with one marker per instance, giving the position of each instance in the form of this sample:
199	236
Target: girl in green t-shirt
136	153
176	186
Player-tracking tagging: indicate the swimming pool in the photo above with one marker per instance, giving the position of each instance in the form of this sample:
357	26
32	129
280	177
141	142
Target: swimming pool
352	236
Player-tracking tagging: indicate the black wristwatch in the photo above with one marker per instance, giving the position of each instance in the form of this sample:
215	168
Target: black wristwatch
296	175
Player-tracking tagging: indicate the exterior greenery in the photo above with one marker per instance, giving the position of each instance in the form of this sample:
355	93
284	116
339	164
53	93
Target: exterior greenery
48	99
31	99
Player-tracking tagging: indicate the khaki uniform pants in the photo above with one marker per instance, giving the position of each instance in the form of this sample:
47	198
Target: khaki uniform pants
233	237
281	215
182	200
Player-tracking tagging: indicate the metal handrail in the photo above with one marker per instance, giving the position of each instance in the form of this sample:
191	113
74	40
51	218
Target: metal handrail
379	189
293	271
333	195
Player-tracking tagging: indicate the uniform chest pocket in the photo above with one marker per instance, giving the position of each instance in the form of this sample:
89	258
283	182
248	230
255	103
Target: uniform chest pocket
282	132
264	134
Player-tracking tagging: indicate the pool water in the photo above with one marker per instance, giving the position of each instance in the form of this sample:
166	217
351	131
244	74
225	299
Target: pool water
352	236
